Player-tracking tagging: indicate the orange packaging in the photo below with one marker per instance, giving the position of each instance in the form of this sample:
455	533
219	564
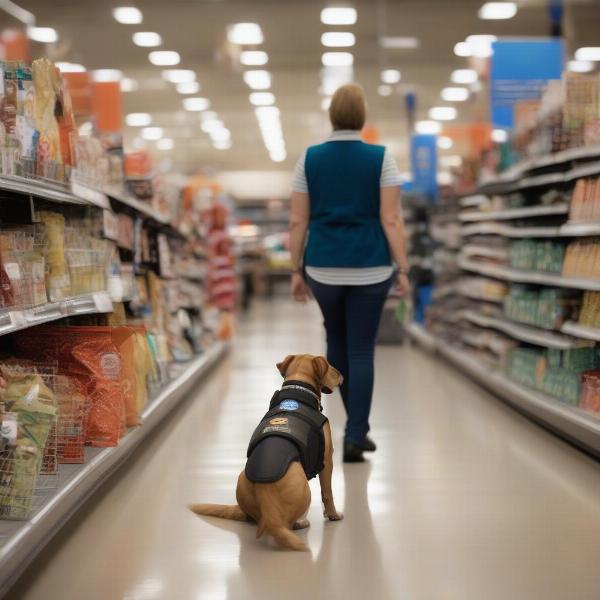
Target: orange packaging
124	340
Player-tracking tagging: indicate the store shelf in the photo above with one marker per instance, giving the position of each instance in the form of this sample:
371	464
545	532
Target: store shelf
525	333
39	189
21	541
514	213
509	230
581	331
570	422
485	251
15	320
534	277
579	229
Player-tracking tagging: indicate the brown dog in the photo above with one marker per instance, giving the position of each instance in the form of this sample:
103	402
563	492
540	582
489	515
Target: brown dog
292	442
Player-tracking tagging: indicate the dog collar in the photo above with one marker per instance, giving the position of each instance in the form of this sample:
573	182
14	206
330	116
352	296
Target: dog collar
302	387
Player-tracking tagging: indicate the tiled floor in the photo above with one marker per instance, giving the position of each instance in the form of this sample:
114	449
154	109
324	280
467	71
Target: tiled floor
464	500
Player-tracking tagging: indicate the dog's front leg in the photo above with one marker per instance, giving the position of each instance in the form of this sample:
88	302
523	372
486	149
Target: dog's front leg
325	479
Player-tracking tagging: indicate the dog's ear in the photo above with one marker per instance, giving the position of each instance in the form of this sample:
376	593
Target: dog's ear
327	375
284	365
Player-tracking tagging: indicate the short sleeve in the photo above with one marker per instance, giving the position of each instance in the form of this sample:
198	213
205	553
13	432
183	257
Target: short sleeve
300	184
390	176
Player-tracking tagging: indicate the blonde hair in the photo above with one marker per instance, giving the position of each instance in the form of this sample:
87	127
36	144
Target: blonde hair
348	108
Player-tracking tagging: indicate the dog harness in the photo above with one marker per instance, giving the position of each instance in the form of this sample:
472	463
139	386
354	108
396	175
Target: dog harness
291	430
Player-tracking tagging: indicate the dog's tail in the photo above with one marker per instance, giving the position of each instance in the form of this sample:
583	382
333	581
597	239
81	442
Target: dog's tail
272	521
223	511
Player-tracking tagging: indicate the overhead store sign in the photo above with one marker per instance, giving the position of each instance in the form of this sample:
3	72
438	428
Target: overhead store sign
423	158
521	69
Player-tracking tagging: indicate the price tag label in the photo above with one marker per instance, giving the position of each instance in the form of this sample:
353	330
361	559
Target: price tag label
110	225
102	302
12	270
18	319
89	194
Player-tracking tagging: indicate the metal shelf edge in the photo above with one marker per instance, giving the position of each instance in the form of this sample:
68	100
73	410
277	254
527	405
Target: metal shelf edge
29	540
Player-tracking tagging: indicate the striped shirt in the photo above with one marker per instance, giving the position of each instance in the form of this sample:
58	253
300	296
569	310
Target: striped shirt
390	177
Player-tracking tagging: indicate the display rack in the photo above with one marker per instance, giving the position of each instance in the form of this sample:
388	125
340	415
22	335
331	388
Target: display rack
576	425
477	338
21	541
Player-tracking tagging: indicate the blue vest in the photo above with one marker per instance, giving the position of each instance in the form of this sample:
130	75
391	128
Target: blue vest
344	184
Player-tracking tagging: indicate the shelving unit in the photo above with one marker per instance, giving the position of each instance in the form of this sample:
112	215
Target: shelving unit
458	324
579	427
21	541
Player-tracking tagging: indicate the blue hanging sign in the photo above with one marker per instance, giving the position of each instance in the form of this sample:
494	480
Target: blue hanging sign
423	158
520	70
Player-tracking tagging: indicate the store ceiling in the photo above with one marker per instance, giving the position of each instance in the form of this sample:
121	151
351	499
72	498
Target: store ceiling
292	29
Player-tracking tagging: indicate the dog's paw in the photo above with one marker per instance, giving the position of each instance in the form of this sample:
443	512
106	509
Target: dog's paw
302	524
334	516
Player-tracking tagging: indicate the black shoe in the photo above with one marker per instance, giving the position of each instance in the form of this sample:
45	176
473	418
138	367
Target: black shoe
368	445
353	453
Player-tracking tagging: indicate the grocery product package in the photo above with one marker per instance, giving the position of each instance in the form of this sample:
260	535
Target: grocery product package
28	414
90	355
58	283
124	341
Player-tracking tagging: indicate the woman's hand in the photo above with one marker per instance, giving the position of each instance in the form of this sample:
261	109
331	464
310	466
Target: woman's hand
300	290
402	285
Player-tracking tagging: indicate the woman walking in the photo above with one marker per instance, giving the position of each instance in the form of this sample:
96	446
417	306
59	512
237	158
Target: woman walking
346	197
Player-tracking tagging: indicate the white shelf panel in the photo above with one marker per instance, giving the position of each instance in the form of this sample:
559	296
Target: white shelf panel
486	251
576	425
21	541
534	277
509	231
514	213
581	331
15	320
525	333
39	189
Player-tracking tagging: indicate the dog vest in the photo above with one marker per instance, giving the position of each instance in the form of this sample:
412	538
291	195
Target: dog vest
294	415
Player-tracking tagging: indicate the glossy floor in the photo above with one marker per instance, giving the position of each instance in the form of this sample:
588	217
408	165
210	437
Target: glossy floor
464	500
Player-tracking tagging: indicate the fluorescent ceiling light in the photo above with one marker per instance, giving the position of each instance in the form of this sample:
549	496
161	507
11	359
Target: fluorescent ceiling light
209	115
428	127
462	49
44	35
127	15
580	66
589	53
455	94
451	161
67	67
262	98
179	75
129	85
385	90
498	10
222	145
338	39
325	103
391	76
254	58
341	15
481	45
465	76
267	112
337	59
279	156
164	58
500	136
152	133
212	125
442	113
104	75
257	79
165	144
188	87
147	39
138	119
445	143
245	34
399	42
196	104
220	135
444	178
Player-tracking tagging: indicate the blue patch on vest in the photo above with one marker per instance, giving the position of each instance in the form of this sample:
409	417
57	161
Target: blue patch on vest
289	405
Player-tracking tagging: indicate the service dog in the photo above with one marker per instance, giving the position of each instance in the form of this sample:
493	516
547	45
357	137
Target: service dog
291	445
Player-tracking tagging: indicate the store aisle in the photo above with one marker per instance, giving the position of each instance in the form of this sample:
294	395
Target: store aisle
465	500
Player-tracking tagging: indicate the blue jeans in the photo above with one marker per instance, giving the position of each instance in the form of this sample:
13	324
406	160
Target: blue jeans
352	314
